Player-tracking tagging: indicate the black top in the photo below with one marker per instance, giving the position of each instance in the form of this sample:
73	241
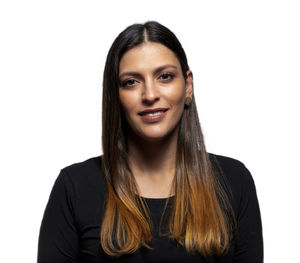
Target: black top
70	227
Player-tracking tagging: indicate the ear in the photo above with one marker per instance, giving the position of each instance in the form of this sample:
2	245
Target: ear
189	85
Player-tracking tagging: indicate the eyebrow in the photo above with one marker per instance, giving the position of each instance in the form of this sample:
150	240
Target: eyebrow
132	73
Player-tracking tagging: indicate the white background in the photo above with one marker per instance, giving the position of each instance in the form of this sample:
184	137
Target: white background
246	63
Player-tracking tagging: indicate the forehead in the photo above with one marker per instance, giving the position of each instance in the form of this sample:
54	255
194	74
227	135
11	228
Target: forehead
148	55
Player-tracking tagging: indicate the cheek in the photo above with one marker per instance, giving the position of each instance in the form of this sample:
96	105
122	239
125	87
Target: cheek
127	101
176	96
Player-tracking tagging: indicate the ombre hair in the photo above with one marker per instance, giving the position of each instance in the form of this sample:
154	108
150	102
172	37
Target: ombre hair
202	218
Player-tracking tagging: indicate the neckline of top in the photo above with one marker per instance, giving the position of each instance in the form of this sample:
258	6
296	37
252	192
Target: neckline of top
157	199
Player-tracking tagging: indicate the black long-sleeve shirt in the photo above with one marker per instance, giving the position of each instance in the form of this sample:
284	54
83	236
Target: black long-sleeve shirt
70	228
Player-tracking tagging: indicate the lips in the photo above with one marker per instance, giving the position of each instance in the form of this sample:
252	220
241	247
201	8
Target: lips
153	115
149	112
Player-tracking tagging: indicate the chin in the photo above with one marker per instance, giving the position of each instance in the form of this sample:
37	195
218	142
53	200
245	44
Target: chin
153	138
156	136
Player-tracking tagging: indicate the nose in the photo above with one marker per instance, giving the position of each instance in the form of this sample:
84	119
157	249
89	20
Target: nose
150	92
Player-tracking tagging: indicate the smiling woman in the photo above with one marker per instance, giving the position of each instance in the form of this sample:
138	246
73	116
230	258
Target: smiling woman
153	90
156	194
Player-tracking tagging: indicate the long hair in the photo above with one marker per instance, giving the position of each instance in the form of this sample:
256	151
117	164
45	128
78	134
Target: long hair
202	216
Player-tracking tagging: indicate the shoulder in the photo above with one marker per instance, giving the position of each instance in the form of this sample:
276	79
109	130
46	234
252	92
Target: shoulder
87	167
233	169
78	193
85	175
237	176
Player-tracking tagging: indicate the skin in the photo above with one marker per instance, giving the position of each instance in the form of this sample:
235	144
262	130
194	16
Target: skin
151	77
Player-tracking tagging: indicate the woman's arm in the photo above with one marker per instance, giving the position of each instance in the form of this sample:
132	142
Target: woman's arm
249	244
58	239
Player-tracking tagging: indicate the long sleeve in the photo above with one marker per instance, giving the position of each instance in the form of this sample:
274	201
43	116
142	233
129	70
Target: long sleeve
72	219
58	239
249	245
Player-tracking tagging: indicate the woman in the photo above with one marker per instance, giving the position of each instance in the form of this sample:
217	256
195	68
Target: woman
155	194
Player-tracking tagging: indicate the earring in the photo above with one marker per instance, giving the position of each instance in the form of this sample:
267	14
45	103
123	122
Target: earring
188	101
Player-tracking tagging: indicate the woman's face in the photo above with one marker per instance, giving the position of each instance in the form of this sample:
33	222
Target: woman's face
152	90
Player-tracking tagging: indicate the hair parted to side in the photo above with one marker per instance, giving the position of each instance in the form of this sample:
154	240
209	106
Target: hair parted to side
202	218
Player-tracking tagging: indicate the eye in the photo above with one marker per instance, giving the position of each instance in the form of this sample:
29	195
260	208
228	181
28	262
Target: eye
128	83
166	76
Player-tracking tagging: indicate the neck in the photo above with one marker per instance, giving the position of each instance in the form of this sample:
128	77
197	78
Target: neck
153	159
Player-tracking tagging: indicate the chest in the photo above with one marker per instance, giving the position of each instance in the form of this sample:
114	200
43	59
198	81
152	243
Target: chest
164	249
